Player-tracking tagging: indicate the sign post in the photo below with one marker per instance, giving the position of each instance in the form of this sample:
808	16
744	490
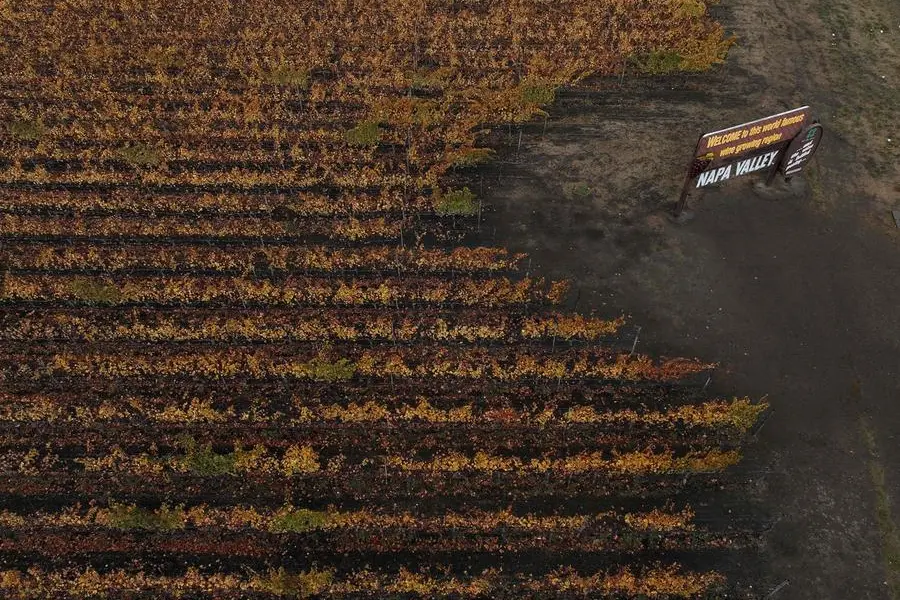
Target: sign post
748	148
695	167
776	165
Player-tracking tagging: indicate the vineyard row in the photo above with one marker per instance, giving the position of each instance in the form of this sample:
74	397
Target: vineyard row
669	581
162	229
375	487
293	291
287	397
236	175
503	363
357	441
202	460
290	519
255	257
136	201
739	414
302	326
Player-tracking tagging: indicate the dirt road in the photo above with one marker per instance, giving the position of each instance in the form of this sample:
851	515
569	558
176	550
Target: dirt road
796	297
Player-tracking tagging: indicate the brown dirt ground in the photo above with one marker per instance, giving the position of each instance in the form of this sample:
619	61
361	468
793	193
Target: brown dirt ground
794	293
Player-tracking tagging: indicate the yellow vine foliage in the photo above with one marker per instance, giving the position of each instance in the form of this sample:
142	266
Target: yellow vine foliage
310	96
300	459
276	60
739	413
656	582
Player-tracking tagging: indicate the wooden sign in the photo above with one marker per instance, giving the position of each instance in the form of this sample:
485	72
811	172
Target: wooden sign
784	142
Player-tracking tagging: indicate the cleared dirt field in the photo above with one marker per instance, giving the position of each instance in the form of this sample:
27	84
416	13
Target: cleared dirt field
794	292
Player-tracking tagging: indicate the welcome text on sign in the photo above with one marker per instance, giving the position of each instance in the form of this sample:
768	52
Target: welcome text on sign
756	135
718	140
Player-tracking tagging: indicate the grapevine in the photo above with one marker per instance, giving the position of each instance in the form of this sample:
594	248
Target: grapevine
253	343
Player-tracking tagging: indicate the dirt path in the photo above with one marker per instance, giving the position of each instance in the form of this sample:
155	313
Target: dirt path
796	298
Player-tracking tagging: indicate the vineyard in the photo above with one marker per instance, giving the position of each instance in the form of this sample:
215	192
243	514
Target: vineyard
249	348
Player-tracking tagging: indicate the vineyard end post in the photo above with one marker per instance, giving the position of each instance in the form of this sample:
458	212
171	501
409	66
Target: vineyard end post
770	177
